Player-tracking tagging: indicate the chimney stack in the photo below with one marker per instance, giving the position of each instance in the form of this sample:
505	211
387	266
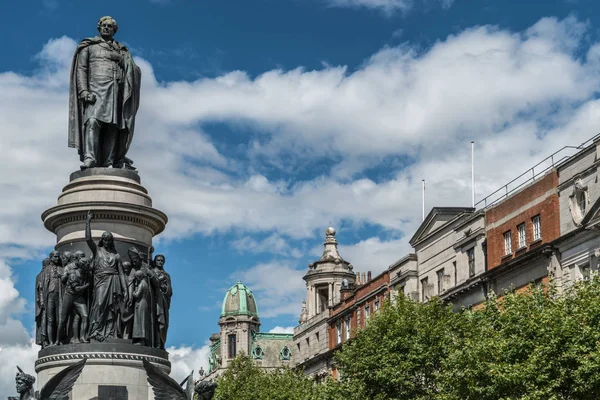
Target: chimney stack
358	279
369	276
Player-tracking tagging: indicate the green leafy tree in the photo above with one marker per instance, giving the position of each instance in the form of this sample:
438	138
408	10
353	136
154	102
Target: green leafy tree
400	353
529	346
243	380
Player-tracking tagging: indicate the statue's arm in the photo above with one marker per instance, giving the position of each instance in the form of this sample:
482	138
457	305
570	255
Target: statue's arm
88	235
169	291
82	70
40	294
65	275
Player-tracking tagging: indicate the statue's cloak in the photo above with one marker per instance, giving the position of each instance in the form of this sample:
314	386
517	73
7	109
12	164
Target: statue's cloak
131	97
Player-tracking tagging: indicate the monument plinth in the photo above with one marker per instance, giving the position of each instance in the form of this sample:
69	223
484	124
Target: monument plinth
120	204
113	369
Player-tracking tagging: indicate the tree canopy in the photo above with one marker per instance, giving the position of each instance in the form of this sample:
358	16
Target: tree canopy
527	346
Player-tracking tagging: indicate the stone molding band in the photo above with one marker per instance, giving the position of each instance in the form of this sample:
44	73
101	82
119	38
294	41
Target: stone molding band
100	356
139	215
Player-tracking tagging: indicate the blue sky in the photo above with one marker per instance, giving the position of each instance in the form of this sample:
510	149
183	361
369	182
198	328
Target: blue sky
263	122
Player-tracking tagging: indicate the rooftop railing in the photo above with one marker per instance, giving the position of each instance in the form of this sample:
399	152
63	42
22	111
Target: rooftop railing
538	170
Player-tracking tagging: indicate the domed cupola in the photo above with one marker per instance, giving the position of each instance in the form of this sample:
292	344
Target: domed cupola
238	301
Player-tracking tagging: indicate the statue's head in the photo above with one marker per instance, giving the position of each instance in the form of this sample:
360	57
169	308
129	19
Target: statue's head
136	257
139	275
54	257
24	382
159	261
107	27
106	240
66	257
126	267
79	255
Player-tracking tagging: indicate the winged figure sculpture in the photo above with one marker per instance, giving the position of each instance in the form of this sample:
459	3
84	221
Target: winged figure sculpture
57	388
166	388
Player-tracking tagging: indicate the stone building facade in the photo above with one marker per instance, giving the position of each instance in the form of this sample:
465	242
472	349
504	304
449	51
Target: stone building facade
240	333
325	279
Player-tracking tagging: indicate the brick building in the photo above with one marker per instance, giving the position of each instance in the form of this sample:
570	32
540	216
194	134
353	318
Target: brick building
519	231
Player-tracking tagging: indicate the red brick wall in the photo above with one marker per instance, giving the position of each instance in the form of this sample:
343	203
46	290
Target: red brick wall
548	210
340	310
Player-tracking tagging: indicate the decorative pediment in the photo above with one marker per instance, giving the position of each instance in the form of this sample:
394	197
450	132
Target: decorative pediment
437	218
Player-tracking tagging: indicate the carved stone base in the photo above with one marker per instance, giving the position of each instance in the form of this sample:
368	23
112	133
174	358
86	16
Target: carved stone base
112	371
119	202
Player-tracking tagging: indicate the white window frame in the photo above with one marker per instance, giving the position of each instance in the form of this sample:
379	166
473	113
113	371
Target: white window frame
348	321
440	280
537	227
339	332
367	314
507	243
522	235
376	305
471	266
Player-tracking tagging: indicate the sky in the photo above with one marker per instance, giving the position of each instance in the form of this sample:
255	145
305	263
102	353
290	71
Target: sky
264	122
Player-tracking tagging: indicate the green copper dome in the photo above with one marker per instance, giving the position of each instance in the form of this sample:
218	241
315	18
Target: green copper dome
239	300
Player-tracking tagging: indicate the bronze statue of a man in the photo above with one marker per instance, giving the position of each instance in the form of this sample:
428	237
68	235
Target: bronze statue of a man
103	99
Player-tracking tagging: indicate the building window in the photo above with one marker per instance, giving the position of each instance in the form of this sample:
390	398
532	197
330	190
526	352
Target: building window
367	313
471	260
522	239
258	353
507	243
231	343
455	273
537	230
317	336
308	342
286	354
376	305
424	283
298	345
440	281
339	332
348	320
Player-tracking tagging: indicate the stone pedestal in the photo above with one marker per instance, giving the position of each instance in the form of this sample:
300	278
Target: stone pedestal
121	205
113	370
119	202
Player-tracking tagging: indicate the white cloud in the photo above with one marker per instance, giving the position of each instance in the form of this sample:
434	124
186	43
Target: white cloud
185	359
274	244
390	6
278	287
10	356
281	329
374	254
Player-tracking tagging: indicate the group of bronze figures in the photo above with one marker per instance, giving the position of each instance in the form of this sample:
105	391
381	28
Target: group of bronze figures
81	299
